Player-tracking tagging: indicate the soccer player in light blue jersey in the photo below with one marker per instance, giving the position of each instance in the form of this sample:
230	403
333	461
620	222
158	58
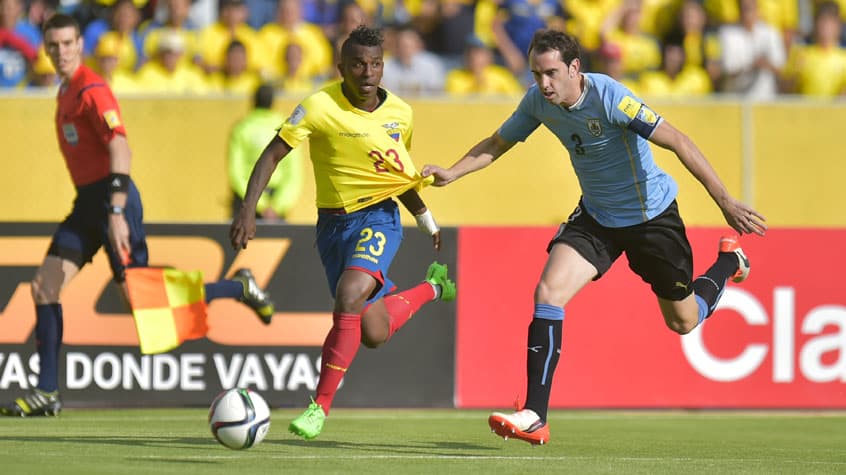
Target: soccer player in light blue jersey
628	204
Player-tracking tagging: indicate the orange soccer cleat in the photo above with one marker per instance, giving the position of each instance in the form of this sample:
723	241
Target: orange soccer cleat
732	244
524	425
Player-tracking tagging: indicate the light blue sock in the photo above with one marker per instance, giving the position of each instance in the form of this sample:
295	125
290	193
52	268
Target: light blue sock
548	312
704	311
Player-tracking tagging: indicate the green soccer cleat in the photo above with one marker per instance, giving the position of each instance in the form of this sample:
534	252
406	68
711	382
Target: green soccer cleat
254	297
34	403
437	276
309	424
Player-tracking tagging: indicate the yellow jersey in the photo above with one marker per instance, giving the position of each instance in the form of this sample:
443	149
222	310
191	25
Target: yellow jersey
360	158
818	71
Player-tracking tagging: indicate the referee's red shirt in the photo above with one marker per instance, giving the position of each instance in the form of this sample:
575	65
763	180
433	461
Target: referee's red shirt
87	119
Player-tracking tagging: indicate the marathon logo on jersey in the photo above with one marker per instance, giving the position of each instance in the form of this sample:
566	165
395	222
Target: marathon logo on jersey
393	130
71	136
112	118
594	127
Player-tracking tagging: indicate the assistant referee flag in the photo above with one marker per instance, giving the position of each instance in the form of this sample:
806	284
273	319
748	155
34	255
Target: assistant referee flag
168	306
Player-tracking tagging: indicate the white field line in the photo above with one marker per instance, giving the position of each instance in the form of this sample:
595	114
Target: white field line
562	458
352	414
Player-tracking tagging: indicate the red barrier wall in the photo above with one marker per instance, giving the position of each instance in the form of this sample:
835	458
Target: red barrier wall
777	341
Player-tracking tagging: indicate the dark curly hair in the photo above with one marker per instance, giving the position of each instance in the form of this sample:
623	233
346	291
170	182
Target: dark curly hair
548	40
362	36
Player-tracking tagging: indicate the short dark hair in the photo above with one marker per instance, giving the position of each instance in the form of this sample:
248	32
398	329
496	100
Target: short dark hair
362	36
554	40
235	44
263	98
827	8
60	20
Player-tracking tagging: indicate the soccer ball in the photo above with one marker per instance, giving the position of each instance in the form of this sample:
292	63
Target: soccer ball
239	418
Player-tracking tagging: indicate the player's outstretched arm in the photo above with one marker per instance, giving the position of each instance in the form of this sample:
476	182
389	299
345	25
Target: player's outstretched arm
481	155
425	221
243	226
739	215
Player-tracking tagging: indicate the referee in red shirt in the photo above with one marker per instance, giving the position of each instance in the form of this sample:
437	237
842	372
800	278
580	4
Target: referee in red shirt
107	211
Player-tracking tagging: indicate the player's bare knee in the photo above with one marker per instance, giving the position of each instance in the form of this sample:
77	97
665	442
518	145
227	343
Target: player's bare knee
545	293
370	342
348	303
680	326
372	337
42	292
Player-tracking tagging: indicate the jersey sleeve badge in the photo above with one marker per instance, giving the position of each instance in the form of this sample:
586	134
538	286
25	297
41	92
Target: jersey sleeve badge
629	106
69	131
647	116
112	118
297	116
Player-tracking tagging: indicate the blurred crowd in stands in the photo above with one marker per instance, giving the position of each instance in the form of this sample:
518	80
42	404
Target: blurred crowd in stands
755	49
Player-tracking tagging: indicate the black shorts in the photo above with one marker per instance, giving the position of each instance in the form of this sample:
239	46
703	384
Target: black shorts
658	250
85	229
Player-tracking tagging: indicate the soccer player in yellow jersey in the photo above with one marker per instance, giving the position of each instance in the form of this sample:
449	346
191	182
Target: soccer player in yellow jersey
359	136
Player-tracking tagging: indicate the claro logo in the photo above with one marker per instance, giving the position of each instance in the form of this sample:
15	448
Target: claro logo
230	322
810	357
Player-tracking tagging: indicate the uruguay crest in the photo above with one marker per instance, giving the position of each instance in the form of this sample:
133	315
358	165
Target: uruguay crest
594	127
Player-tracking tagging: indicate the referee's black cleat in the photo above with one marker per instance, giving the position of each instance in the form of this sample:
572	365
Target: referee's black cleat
254	297
34	403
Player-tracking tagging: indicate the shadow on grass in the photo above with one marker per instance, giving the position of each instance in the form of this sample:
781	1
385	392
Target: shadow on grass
409	447
203	443
127	441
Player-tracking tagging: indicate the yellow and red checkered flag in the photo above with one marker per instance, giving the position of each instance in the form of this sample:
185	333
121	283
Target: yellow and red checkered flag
168	305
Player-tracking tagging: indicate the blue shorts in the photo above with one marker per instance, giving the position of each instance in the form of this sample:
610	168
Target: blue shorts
86	229
365	240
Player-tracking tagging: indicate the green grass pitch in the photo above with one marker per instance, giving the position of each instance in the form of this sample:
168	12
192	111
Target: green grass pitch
177	441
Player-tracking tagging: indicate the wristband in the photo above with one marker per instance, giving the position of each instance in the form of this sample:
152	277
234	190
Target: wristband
426	223
113	209
118	183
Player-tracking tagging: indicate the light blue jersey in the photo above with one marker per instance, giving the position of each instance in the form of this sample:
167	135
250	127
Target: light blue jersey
605	133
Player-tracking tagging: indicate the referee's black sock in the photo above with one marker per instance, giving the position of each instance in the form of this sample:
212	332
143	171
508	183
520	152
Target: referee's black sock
542	356
709	286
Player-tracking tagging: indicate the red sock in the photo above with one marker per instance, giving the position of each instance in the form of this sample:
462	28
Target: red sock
403	305
339	350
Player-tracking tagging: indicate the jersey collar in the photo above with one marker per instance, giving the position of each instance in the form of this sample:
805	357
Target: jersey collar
578	104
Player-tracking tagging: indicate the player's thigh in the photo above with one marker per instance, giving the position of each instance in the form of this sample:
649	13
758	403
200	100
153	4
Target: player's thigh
582	250
51	278
659	252
354	288
565	273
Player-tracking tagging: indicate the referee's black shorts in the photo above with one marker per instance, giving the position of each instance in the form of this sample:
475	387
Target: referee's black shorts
658	250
